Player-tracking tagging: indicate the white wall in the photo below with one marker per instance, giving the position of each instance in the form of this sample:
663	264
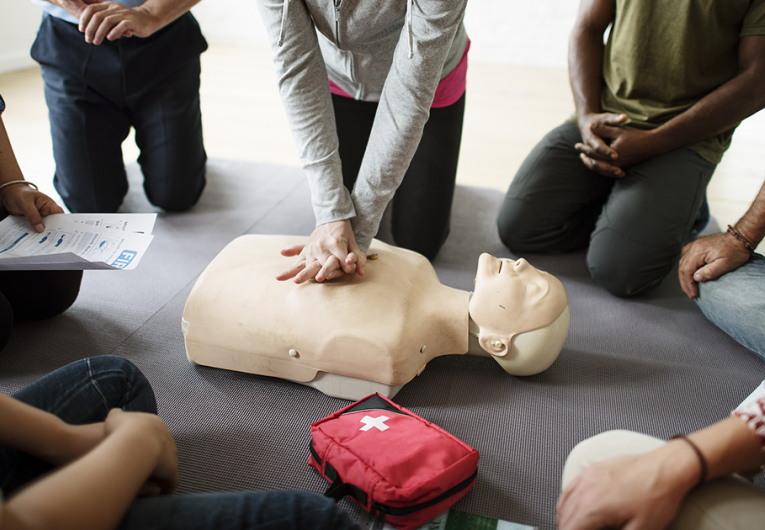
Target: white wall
502	31
19	20
520	31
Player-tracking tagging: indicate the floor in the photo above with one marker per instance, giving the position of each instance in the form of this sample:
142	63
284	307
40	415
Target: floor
509	108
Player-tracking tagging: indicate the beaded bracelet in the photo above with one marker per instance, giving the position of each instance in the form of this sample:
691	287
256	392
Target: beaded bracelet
11	183
732	231
702	460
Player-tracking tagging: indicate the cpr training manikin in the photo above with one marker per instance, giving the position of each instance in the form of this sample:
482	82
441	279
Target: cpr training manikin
357	335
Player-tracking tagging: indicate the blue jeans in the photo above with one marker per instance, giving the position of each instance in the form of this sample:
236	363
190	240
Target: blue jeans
735	302
81	392
85	391
243	510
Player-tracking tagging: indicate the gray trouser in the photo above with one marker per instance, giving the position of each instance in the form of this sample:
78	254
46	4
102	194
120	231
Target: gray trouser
730	503
633	228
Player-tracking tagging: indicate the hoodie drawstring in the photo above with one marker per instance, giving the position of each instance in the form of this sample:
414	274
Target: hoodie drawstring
285	12
409	27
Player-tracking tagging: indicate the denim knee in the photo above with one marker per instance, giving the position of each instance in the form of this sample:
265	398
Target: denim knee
735	302
121	384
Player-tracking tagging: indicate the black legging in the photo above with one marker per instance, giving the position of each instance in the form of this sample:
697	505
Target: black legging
34	295
423	203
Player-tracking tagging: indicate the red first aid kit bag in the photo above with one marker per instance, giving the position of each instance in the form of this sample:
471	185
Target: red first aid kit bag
395	464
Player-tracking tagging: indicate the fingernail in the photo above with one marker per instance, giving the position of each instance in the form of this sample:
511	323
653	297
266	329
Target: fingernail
39	227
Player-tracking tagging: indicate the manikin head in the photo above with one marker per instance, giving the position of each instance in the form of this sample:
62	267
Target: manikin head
519	314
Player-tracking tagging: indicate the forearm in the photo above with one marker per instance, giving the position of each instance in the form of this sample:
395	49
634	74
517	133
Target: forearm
404	109
585	70
9	167
729	446
725	107
752	224
585	54
37	432
305	95
163	12
93	492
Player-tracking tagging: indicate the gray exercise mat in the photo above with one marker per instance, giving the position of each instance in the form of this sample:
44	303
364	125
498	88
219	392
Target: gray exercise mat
652	364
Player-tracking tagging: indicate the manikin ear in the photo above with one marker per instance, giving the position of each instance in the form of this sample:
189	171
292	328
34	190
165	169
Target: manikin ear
494	344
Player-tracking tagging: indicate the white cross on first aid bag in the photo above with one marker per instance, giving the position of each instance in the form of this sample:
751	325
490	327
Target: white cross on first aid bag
398	466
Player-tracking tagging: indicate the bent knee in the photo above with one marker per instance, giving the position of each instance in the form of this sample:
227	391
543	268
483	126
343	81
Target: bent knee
176	194
38	295
516	226
626	268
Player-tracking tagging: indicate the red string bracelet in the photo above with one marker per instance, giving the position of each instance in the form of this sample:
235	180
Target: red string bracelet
732	231
702	460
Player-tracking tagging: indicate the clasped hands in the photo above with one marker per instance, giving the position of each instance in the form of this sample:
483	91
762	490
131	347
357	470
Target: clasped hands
331	251
99	20
144	433
607	148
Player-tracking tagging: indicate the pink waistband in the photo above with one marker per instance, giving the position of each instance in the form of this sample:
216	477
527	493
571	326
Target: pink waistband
448	91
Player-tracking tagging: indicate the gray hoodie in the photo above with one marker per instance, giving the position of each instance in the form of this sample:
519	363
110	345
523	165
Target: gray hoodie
391	51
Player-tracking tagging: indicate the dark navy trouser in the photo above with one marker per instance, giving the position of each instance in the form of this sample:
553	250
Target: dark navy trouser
95	94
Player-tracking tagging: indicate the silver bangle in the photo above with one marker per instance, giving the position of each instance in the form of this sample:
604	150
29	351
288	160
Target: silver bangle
11	183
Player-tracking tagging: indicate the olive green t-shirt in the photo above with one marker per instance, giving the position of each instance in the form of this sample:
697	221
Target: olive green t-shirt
662	56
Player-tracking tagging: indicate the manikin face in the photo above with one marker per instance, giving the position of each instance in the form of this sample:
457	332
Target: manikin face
512	297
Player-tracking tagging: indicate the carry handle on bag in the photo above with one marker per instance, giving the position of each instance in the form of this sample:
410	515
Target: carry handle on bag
398	466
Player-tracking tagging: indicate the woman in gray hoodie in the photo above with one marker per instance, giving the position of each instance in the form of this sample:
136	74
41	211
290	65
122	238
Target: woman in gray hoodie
389	120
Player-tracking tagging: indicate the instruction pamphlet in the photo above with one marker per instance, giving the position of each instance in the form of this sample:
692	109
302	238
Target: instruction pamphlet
76	241
456	520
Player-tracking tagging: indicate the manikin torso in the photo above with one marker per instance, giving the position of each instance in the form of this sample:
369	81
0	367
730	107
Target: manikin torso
383	327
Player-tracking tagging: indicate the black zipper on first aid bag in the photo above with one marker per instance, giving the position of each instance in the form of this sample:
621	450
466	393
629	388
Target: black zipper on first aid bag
408	510
397	511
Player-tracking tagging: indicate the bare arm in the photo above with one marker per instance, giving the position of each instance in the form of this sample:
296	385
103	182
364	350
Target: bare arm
44	435
20	199
585	66
710	257
96	490
719	111
724	107
645	491
101	20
